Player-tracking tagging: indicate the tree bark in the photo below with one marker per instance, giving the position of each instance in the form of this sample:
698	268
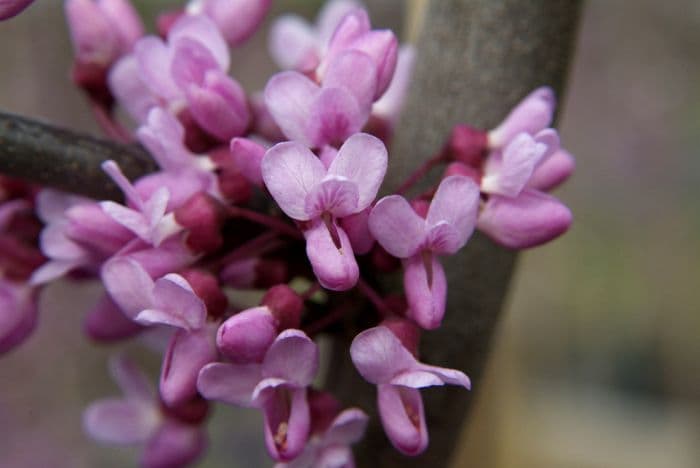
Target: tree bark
65	160
476	59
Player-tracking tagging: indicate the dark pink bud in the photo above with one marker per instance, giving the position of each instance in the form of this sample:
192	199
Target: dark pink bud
196	139
194	411
206	287
10	8
175	444
105	322
324	407
467	145
285	304
202	215
406	331
457	168
246	337
383	261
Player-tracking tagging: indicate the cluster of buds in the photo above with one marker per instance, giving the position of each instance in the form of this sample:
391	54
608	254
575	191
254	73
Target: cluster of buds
267	190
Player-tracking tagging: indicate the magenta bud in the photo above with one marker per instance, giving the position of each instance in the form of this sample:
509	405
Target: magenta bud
175	444
458	168
18	317
105	322
187	353
406	331
285	304
324	407
206	287
247	156
10	8
531	219
246	337
467	145
202	216
553	171
194	411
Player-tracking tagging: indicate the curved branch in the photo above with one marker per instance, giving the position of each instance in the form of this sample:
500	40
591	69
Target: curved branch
64	159
476	59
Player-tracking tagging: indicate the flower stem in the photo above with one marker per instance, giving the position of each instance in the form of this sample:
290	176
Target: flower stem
374	297
419	173
265	220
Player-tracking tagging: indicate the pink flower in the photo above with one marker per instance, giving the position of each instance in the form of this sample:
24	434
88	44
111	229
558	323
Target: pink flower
448	225
277	386
382	359
138	419
306	191
236	19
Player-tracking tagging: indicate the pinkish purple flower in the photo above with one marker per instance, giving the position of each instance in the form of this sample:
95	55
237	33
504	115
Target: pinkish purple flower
247	155
448	225
306	191
297	45
533	114
10	8
332	447
382	359
236	19
137	419
106	322
169	300
389	106
245	337
277	386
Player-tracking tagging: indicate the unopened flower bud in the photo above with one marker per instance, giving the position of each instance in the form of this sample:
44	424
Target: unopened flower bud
246	337
285	304
467	145
202	216
206	286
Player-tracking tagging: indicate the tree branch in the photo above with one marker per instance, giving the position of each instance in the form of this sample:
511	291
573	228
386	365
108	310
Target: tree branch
476	59
66	160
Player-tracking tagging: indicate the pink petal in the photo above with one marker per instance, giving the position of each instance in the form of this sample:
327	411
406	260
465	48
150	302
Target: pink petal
54	269
531	115
191	61
237	20
356	226
426	290
352	26
128	284
288	97
517	163
229	383
336	456
128	87
187	354
553	171
335	195
154	57
247	156
363	160
133	220
171	255
220	107
331	15
246	337
174	445
174	303
203	30
347	428
403	418
125	19
331	256
397	227
293	356
163	135
106	322
293	43
123	422
287	422
51	205
448	376
291	172
390	104
531	219
355	71
379	355
382	47
334	115
56	245
456	203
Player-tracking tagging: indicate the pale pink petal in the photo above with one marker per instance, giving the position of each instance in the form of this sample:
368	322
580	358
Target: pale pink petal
290	172
237	20
293	44
531	115
123	422
133	220
287	422
128	87
518	161
247	156
191	61
382	47
201	29
448	376
553	171
397	227
331	256
335	195
355	71
54	269
379	355
336	456
334	115
293	356
353	25
347	428
128	284
125	19
18	317
289	97
220	106
456	203
331	15
426	290
229	383
403	419
163	135
51	205
246	336
363	160
154	58
390	104
174	303
531	219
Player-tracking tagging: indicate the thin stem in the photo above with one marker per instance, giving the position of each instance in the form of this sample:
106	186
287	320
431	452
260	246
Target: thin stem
419	173
265	220
374	297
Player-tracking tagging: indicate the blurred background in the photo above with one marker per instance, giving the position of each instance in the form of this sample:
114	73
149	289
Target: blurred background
596	364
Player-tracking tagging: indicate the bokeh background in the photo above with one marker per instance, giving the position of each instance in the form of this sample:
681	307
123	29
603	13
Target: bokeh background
596	362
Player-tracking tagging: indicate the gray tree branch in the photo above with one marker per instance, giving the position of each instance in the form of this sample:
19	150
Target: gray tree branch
476	59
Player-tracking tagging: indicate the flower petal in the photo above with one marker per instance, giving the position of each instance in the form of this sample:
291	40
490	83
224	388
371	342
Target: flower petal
403	418
175	444
154	57
379	355
289	97
456	202
128	284
397	227
293	356
335	195
531	115
515	167
131	380
334	115
292	43
287	422
347	428
355	71
291	171
553	171
203	30
331	256
229	383
123	422
426	290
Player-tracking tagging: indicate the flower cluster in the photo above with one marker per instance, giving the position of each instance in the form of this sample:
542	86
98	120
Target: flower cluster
274	190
